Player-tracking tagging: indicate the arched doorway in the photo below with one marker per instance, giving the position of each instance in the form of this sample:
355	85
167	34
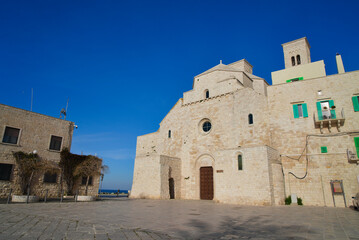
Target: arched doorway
206	183
171	184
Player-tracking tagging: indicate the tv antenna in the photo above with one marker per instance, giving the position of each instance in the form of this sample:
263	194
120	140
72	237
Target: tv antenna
32	98
63	111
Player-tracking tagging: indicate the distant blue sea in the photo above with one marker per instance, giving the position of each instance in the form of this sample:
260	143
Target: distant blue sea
109	191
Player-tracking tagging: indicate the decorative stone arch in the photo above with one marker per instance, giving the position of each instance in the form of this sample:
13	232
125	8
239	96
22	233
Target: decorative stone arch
204	160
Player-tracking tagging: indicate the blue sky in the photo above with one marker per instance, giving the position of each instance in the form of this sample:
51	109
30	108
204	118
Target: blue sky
124	64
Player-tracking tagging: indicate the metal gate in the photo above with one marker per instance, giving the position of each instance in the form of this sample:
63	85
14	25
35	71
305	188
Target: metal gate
206	183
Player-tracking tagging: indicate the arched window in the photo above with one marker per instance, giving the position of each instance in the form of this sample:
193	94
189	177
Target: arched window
169	133
293	61
298	59
240	163
207	94
250	118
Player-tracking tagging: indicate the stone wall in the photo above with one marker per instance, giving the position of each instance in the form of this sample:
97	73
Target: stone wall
92	189
170	168
271	147
35	134
289	137
147	177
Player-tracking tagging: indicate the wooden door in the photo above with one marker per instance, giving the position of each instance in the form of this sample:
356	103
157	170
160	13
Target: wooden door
206	183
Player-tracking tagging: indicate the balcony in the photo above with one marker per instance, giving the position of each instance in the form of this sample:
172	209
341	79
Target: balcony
329	120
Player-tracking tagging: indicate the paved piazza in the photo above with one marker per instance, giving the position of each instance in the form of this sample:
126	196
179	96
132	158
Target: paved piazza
173	219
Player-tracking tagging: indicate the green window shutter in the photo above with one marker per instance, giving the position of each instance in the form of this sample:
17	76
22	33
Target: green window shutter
305	110
319	108
295	111
323	149
288	81
331	104
300	78
355	103
356	141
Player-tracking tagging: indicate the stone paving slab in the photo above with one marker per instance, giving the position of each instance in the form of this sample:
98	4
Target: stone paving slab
174	219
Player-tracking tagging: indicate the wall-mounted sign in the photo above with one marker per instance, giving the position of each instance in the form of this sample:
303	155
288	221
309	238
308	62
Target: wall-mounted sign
219	171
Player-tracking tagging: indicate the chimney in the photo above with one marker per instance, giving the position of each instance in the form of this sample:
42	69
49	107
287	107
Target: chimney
340	65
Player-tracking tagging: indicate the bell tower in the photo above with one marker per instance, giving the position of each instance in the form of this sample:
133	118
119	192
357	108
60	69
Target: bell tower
296	52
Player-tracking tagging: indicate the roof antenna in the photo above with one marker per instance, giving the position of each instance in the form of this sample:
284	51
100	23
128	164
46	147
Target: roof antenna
32	97
64	111
67	104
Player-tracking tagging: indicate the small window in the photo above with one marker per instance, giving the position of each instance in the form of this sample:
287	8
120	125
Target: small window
240	163
84	179
323	149
169	133
206	126
300	110
50	177
250	119
5	171
293	61
55	143
11	135
298	60
207	94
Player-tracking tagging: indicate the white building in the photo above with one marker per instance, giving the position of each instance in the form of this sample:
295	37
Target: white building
235	139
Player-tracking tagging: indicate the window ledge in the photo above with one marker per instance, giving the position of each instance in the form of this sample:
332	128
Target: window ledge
10	144
51	150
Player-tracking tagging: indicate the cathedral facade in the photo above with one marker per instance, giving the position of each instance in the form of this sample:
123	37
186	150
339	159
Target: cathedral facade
236	139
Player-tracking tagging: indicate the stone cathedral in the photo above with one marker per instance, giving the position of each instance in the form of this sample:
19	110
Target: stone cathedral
236	139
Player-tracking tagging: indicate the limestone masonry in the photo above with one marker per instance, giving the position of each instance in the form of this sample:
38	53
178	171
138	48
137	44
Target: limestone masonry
235	139
28	132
